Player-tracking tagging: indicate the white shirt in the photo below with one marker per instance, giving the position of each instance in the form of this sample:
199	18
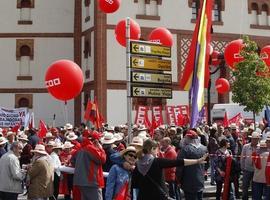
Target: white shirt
56	163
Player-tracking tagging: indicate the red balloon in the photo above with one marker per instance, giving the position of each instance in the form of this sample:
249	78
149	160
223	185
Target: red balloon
161	35
214	58
109	6
222	85
265	55
120	31
64	79
232	53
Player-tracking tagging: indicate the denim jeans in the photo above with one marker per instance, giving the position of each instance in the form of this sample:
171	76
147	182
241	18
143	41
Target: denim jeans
247	178
260	190
173	190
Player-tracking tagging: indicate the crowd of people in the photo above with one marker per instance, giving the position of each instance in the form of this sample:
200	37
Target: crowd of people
167	163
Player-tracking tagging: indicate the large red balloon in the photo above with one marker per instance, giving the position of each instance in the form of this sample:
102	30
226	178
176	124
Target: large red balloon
222	85
120	31
214	58
162	36
232	52
109	6
64	79
265	55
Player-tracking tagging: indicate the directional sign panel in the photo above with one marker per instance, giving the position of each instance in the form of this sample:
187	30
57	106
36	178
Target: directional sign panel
150	63
149	49
137	91
143	77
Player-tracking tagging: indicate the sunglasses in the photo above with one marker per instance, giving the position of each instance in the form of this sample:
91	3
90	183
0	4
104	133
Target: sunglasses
132	155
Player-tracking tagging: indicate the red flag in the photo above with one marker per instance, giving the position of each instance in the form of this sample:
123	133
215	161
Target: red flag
225	120
267	171
226	187
15	128
42	129
236	119
155	123
92	114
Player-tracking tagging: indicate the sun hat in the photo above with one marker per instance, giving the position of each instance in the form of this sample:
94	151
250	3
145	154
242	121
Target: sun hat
71	136
142	128
49	135
3	140
108	138
262	144
233	126
23	137
68	126
255	135
118	137
128	149
57	145
50	143
268	136
40	149
67	145
137	141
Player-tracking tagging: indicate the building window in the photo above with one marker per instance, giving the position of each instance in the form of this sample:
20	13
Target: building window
217	11
195	9
264	20
23	100
87	53
148	9
25	7
86	98
87	10
24	54
254	13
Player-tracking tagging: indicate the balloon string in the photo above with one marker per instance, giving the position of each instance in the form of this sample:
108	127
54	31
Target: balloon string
65	112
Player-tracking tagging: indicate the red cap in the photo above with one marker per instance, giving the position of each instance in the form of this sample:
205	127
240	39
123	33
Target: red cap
192	134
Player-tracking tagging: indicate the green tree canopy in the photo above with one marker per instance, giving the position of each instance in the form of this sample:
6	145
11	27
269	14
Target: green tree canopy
249	88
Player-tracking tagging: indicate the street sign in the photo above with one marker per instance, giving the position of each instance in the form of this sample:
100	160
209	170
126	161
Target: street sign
150	63
137	91
144	77
143	48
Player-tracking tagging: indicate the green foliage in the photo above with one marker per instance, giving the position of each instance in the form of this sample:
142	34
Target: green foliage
250	89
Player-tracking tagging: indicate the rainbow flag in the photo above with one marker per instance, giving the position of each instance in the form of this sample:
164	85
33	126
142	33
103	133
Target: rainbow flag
196	73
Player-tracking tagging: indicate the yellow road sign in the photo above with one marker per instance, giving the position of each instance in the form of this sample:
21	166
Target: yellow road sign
137	91
150	63
143	77
149	49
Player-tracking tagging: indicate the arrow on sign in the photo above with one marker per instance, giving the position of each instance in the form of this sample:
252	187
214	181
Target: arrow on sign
136	76
136	48
136	91
135	62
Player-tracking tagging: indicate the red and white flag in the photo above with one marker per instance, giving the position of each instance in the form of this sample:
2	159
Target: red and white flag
142	116
42	129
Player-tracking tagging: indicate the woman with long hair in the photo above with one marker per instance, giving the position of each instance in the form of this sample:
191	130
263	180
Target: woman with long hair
148	175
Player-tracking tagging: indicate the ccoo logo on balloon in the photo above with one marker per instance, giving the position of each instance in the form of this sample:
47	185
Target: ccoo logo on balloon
53	82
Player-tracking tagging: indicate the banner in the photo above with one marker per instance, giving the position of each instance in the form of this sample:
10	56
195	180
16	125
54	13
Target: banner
173	113
157	114
141	115
13	117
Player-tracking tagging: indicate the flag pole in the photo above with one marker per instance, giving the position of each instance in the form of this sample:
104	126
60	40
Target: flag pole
128	71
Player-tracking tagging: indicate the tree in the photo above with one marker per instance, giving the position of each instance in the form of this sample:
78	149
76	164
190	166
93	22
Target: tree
251	87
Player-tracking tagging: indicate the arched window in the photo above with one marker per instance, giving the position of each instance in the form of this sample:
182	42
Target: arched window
254	13
26	4
148	9
25	50
23	102
24	54
87	53
25	7
264	20
217	11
